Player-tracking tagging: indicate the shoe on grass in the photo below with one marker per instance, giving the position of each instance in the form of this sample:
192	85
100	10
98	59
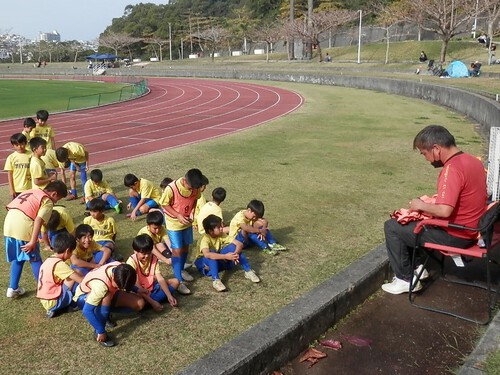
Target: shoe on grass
183	289
50	314
111	323
398	286
276	246
218	285
270	251
186	276
14	293
118	208
425	275
252	276
108	343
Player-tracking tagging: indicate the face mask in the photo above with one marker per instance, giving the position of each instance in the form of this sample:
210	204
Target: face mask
437	164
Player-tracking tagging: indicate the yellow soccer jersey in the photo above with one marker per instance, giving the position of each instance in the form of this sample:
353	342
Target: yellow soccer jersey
235	225
166	199
157	238
51	161
149	190
37	170
19	226
213	243
61	272
86	254
66	221
210	208
27	135
98	290
19	164
200	202
76	152
104	230
145	266
93	190
46	132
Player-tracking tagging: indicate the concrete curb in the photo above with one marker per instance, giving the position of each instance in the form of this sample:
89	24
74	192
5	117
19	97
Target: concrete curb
283	335
489	343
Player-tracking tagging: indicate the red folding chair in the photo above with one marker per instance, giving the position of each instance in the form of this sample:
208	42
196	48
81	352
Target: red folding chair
489	228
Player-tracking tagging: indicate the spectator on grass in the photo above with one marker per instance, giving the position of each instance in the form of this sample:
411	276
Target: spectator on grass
475	69
461	198
423	57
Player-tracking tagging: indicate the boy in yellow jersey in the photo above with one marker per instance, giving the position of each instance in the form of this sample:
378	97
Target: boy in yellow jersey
104	226
28	125
156	230
212	208
57	278
151	285
39	176
88	254
143	194
253	223
60	221
218	252
26	215
17	166
200	202
52	165
44	130
79	157
178	202
97	187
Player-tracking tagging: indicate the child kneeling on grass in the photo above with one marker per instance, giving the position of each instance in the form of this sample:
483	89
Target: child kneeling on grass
107	289
218	253
151	285
57	278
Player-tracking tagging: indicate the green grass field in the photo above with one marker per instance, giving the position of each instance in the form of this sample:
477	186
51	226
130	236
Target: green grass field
21	98
329	174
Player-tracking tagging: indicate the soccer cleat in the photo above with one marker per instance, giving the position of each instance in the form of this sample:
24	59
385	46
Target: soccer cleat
108	343
183	289
14	293
50	314
276	246
186	276
218	285
252	276
118	208
270	251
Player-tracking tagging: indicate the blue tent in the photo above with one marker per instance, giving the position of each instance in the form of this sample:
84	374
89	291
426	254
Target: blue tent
457	69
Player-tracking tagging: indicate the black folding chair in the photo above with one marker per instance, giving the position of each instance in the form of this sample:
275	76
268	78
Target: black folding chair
489	228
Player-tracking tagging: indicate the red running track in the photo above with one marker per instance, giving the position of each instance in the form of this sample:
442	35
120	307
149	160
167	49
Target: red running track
177	112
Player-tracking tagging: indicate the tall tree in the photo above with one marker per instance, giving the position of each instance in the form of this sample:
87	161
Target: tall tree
492	15
446	18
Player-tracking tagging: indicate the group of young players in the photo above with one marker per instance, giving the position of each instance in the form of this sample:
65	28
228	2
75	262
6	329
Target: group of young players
84	271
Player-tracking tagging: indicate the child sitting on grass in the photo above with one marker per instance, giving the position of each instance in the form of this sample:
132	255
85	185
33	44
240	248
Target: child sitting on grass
212	208
104	226
155	229
57	278
217	252
144	195
97	187
88	255
253	223
151	285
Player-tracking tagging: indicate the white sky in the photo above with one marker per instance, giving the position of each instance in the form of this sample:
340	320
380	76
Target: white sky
74	20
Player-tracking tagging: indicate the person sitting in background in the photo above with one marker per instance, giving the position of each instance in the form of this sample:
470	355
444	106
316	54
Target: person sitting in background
423	57
475	69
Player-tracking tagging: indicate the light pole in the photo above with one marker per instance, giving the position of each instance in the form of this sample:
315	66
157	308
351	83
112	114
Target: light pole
359	36
170	39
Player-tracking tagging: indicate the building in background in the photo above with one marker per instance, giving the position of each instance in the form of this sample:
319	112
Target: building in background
54	36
